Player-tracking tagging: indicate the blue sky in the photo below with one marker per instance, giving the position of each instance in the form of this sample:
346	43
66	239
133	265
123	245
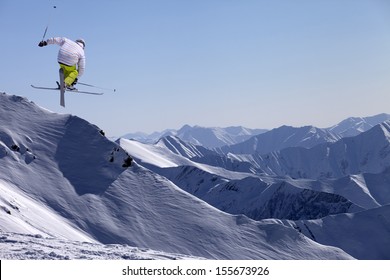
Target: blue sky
256	63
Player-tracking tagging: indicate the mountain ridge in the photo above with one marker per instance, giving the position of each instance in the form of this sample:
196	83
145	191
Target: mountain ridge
254	186
109	202
231	136
209	137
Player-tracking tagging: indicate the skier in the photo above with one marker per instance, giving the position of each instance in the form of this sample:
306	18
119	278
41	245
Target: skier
70	55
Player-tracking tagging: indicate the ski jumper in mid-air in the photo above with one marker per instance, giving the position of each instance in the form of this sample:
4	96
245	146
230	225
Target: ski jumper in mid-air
71	58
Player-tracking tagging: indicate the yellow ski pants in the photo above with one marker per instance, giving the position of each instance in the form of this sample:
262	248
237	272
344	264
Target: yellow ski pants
70	73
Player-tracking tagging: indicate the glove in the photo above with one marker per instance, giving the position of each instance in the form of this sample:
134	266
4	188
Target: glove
75	82
42	43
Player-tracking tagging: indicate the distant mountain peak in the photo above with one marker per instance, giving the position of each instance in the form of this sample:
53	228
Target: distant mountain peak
209	137
355	125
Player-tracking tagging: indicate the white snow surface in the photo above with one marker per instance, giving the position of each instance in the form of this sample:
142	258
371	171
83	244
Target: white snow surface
25	215
359	184
341	231
18	246
65	190
355	125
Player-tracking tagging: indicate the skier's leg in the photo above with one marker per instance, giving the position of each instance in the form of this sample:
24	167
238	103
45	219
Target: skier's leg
70	74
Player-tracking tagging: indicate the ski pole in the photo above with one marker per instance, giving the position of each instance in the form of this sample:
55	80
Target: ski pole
47	26
89	85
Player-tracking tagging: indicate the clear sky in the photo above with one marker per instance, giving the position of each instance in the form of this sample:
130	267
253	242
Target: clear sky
256	63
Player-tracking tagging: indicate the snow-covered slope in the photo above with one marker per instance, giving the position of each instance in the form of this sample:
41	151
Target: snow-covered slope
307	136
272	193
199	154
260	196
364	235
18	246
354	125
63	164
22	214
185	149
280	138
368	152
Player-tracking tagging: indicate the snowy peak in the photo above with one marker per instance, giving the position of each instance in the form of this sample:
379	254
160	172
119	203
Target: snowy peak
51	156
208	137
306	137
353	126
215	137
280	138
87	159
180	147
368	152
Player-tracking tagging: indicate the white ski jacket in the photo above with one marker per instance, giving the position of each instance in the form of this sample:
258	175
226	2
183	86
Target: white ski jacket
71	53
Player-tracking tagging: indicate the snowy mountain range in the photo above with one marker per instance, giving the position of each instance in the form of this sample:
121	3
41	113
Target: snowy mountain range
209	137
66	189
287	136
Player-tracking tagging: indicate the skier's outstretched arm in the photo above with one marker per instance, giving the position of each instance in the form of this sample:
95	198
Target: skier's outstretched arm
55	40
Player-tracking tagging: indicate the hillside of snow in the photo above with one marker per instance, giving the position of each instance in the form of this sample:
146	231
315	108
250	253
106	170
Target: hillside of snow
61	179
280	138
341	231
356	125
349	176
368	152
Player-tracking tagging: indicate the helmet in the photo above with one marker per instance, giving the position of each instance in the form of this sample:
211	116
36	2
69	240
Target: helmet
81	42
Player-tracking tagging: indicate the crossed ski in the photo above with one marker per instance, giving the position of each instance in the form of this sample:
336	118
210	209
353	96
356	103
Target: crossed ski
63	89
